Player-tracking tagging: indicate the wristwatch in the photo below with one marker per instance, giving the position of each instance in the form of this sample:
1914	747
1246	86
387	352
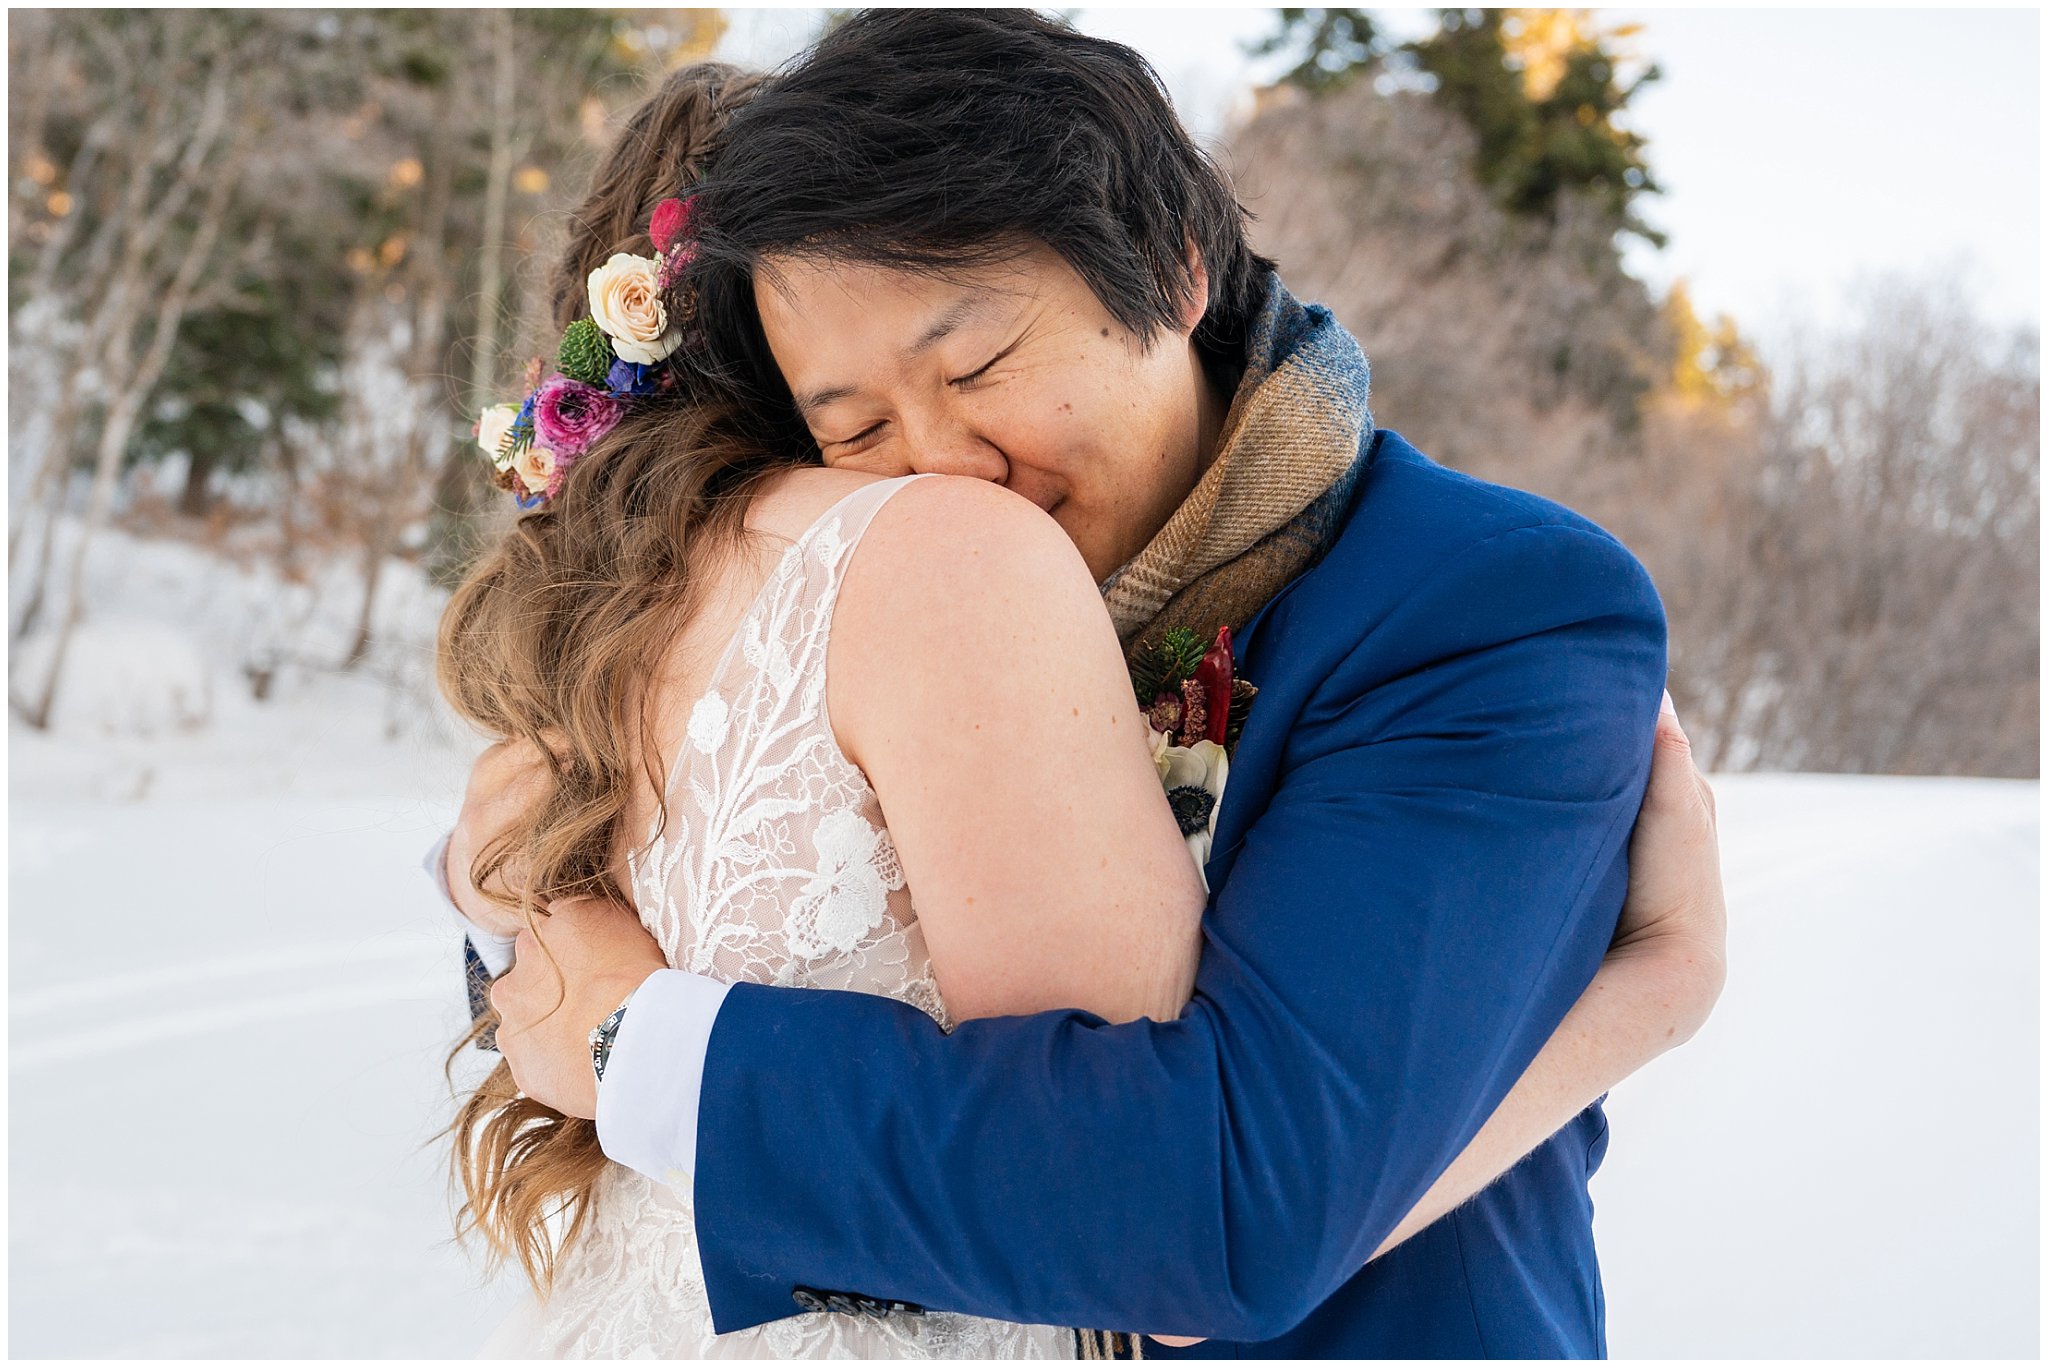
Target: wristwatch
601	1038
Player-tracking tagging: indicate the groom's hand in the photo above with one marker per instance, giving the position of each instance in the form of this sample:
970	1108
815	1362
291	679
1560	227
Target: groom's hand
588	958
506	780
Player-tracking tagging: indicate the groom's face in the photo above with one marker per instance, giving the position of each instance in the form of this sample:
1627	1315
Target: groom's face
1013	373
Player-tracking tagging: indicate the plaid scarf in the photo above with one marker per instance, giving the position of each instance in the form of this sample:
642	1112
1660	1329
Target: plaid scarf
1287	462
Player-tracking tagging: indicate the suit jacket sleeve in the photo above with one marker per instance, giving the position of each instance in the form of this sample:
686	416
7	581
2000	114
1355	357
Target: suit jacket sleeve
1432	886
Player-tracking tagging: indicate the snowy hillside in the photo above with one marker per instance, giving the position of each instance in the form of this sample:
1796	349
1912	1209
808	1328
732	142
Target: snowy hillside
231	990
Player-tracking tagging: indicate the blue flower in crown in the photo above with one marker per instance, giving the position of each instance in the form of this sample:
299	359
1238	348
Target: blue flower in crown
631	380
522	426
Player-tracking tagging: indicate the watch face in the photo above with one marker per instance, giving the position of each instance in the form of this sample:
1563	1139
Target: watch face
601	1041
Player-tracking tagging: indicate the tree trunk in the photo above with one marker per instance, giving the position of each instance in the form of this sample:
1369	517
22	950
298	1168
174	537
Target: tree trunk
127	237
373	574
431	281
483	360
196	498
32	611
455	485
55	462
126	408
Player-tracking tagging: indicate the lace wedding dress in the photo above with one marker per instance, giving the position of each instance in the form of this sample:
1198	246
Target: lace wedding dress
773	866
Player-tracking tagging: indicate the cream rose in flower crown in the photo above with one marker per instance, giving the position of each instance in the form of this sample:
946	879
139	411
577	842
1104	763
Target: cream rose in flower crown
536	468
1194	711
625	301
494	433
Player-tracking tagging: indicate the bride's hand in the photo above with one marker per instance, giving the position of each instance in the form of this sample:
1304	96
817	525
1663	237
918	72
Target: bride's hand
505	780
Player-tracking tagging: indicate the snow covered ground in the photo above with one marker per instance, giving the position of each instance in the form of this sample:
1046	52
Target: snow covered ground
231	991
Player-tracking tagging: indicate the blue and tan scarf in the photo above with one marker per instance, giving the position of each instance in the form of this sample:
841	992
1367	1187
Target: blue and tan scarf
1288	460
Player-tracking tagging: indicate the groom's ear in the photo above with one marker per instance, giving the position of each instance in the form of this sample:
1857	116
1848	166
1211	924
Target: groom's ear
1196	304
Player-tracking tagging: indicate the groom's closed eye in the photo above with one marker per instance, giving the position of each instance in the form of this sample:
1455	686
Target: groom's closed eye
868	435
967	381
864	438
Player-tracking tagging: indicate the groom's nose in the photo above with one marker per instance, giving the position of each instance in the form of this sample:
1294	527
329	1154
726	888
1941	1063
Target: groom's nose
947	447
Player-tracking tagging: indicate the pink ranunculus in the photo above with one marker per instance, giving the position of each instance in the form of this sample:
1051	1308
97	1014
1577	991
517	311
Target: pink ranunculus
570	415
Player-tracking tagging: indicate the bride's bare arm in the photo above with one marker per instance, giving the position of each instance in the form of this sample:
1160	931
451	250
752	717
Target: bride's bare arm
976	680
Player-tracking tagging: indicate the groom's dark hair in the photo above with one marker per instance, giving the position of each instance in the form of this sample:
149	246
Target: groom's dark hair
931	139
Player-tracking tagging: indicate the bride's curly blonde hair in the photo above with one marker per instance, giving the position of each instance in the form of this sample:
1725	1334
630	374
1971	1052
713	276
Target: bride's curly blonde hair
550	640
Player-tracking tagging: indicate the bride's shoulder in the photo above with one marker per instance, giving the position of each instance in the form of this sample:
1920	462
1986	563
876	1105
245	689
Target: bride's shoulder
958	545
967	609
958	583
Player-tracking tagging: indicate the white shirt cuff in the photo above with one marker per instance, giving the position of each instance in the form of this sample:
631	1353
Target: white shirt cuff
647	1104
495	951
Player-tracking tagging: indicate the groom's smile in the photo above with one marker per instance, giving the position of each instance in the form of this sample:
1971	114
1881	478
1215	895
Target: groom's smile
1013	373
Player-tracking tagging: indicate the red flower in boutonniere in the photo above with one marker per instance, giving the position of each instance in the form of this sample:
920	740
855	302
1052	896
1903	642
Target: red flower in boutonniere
1194	710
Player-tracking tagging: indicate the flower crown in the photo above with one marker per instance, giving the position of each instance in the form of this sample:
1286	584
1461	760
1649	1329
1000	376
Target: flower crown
604	362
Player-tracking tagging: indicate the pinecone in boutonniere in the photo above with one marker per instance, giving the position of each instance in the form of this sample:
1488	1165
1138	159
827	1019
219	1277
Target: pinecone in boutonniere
1195	707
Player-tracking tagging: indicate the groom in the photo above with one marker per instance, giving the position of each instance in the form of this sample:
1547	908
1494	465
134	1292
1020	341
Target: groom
978	243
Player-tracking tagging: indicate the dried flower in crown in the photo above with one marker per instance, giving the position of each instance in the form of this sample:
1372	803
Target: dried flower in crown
674	244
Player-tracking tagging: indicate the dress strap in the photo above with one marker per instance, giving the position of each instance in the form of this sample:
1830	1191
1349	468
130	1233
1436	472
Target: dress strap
854	512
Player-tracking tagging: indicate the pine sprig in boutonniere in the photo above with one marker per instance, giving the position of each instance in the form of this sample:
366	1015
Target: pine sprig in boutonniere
1195	707
1190	691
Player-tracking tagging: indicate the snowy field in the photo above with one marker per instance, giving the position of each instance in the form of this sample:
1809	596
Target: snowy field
231	992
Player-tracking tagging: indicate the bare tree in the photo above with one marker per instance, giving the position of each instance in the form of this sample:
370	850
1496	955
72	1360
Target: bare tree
1848	549
155	263
1851	564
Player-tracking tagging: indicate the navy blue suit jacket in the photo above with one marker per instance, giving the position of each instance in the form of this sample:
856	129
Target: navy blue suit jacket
1418	865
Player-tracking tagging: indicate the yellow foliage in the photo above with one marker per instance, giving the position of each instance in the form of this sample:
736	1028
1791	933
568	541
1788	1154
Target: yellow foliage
40	168
59	203
392	250
670	37
360	261
1541	42
530	180
406	173
1713	364
702	29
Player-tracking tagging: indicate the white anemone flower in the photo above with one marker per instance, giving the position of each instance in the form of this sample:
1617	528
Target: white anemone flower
1193	777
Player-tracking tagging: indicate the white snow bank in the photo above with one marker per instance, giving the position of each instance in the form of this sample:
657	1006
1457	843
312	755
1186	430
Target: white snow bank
1845	1162
142	679
158	697
228	1017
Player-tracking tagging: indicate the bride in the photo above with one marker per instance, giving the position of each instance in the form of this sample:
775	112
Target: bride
737	664
729	652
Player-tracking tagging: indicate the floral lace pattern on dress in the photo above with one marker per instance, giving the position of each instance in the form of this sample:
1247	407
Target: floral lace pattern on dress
771	864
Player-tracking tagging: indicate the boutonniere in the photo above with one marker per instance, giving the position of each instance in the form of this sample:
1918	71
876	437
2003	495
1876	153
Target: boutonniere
1195	707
